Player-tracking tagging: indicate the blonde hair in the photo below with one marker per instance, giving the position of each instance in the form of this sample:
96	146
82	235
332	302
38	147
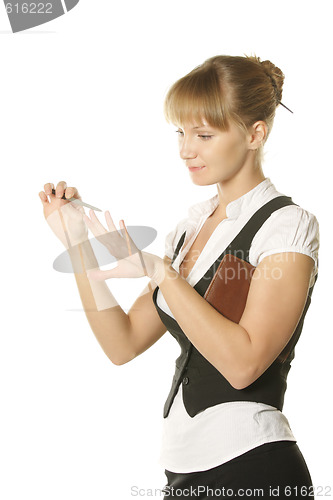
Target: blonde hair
225	89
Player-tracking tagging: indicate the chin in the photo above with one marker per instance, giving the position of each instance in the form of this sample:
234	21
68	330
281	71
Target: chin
202	182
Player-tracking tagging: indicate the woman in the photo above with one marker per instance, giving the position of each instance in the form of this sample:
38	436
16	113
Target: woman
224	430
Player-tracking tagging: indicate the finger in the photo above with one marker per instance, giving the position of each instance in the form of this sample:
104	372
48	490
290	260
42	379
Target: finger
132	248
143	263
43	198
110	222
89	223
93	226
61	186
69	192
122	223
48	188
72	192
96	222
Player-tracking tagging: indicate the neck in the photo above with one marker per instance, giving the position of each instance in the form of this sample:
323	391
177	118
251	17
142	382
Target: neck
231	189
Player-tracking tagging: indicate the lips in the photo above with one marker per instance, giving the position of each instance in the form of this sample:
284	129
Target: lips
195	169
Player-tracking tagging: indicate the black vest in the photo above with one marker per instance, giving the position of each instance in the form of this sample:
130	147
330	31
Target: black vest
203	385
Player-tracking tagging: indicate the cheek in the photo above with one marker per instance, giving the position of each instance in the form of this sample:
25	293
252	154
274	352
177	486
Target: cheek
227	159
237	151
227	152
236	145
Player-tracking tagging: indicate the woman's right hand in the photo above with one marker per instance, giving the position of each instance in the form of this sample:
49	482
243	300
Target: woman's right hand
64	217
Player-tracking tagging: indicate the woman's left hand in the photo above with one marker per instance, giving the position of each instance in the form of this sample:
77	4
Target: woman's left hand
132	263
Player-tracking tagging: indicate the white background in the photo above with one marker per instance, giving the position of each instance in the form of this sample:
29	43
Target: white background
82	101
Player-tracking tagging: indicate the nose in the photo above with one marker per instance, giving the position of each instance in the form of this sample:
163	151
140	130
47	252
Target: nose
186	149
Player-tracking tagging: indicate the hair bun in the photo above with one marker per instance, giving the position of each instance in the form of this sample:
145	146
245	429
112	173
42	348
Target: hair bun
274	73
276	76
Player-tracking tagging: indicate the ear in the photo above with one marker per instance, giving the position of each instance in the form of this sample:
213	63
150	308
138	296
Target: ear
257	134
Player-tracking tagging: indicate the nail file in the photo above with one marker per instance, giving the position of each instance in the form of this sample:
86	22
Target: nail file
79	202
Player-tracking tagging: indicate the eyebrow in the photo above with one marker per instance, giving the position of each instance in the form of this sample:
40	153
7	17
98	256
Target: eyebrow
202	126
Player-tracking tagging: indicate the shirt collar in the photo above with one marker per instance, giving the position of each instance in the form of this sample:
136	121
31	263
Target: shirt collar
247	202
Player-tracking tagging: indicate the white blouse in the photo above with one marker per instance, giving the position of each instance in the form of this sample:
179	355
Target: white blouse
227	430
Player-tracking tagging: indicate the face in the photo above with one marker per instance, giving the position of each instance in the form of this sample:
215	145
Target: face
217	155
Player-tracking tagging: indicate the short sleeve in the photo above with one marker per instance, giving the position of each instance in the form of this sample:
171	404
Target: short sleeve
289	229
173	237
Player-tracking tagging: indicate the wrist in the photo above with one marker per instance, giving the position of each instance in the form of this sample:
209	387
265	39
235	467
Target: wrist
163	271
75	241
76	237
69	238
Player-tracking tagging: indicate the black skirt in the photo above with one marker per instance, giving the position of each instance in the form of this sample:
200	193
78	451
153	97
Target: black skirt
272	470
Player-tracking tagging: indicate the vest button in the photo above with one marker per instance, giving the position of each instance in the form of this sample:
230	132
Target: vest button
185	380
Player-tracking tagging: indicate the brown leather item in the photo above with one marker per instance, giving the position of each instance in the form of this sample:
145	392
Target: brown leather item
228	292
229	287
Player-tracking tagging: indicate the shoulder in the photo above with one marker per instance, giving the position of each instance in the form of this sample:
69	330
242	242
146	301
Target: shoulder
288	229
291	221
291	218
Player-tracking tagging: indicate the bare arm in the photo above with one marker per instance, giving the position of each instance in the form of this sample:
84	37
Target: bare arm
122	336
243	351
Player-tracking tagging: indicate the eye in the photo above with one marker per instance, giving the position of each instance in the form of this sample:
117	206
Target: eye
205	137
